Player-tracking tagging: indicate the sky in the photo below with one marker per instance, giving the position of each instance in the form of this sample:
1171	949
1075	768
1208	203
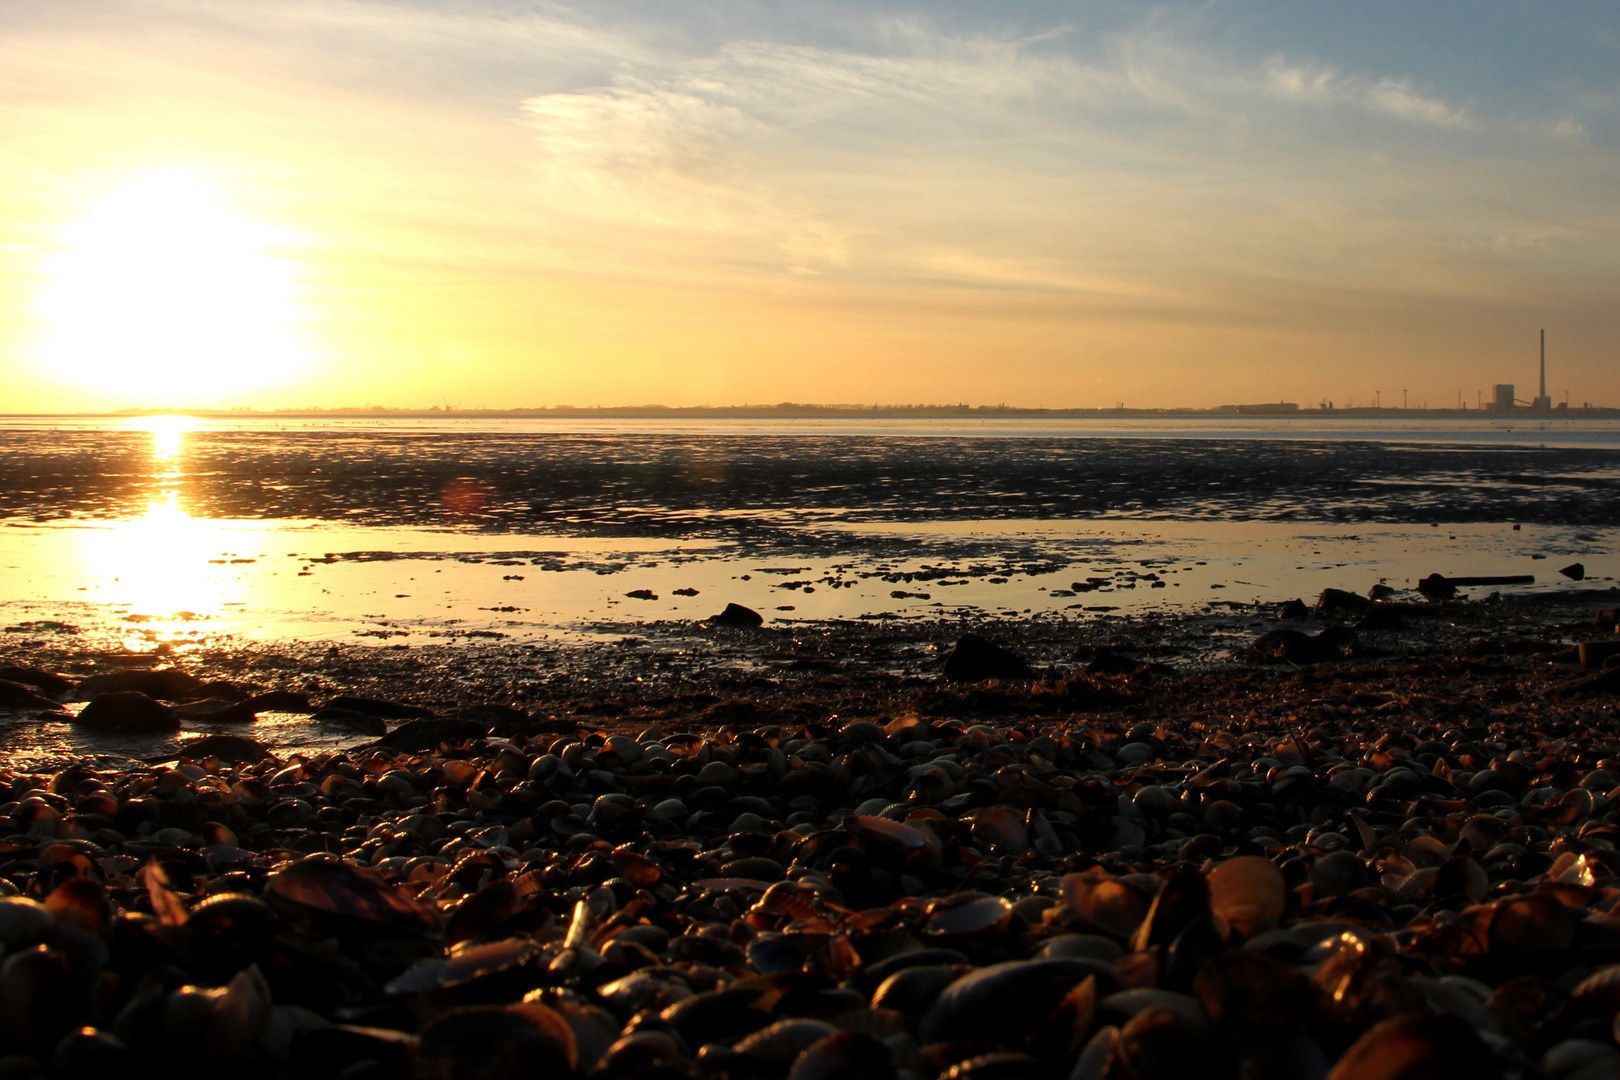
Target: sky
491	203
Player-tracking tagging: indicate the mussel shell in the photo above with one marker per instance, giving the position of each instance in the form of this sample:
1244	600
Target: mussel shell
1008	1000
327	889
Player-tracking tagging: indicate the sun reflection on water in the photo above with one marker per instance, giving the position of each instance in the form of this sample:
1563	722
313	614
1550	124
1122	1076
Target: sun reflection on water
168	434
167	568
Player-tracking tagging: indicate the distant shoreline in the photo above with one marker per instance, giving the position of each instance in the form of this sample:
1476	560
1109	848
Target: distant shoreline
790	411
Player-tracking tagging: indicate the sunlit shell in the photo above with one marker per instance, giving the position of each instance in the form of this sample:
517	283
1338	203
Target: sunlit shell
975	917
1427	851
1104	904
327	888
463	966
1249	892
894	832
1001	829
788	899
784	1040
636	868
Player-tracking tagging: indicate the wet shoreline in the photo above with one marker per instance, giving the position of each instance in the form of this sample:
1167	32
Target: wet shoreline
803	852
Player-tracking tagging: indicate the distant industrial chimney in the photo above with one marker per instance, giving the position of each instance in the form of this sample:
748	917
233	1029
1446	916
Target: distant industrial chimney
1543	403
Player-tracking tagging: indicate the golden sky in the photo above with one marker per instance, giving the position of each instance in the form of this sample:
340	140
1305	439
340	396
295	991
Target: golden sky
498	203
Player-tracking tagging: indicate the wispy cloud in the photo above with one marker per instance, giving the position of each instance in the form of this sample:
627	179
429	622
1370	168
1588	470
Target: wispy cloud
1143	166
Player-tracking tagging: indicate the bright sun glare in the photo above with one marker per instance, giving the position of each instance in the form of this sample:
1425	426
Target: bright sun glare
162	296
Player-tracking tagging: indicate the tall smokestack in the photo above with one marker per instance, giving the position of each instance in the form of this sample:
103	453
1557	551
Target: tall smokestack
1544	363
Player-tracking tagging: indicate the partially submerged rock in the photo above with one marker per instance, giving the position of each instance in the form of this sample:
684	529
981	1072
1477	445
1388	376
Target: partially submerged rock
168	684
974	659
737	615
127	712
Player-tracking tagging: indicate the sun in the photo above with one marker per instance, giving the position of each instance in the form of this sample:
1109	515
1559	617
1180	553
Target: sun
162	297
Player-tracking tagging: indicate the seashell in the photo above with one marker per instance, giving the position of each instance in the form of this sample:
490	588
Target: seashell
1156	801
1522	1005
1125	1004
463	965
324	888
636	868
1460	876
240	1014
89	1052
788	899
1426	851
724	885
1163	1042
1094	1060
783	1041
1249	892
488	1040
1002	1065
23	921
640	1053
644	990
1183	896
914	990
974	917
38	990
844	1055
1104	950
1580	1058
871	976
1339	873
1001	830
896	833
1522	925
1104	904
1010	998
757	868
717	1015
774	954
1417	1044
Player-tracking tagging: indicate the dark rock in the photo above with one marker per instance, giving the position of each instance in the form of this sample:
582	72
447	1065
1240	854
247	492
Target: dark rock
419	736
1108	662
503	716
15	695
1340	600
685	592
1380	591
1293	610
222	689
974	659
642	594
215	711
169	684
1574	571
737	615
388	710
1436	587
280	701
1293	647
1382	618
236	749
40	680
363	722
127	712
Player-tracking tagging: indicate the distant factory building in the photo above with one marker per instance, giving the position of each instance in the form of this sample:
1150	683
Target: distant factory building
1263	410
1503	402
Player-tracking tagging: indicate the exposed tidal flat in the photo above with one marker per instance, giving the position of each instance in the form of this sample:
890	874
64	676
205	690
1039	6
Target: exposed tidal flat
1098	818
